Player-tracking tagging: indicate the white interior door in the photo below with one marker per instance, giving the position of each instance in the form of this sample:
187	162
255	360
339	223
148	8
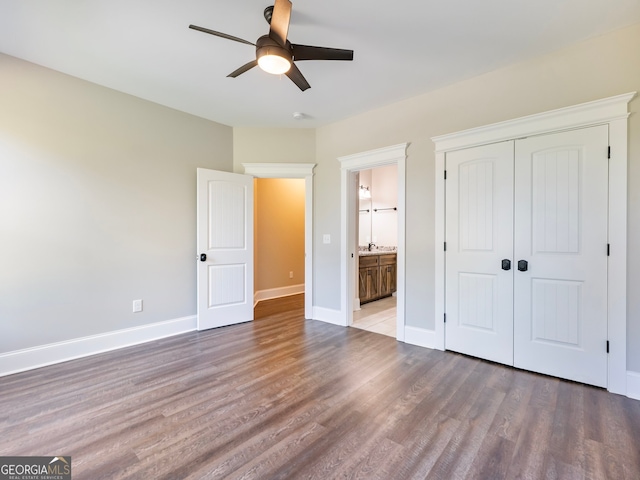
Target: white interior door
561	232
225	247
479	236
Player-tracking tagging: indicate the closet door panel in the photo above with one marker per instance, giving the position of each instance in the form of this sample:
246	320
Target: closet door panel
479	235
560	321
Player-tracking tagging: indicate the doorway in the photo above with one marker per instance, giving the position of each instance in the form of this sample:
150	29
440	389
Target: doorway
350	167
292	171
279	205
225	241
375	308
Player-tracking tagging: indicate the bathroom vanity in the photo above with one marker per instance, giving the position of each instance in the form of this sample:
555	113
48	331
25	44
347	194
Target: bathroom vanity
377	275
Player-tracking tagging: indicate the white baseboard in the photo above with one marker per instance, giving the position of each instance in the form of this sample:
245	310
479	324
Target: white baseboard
633	385
329	315
277	292
43	355
420	337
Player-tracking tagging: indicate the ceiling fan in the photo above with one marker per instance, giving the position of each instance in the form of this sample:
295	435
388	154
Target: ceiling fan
275	54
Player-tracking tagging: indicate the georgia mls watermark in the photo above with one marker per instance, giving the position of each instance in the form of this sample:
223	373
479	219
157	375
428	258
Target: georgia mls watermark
35	468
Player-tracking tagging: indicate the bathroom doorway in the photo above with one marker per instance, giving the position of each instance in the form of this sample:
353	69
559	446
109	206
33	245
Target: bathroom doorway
350	166
375	306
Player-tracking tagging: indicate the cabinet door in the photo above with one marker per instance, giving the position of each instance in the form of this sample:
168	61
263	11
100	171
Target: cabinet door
363	285
373	282
479	235
368	281
387	275
561	232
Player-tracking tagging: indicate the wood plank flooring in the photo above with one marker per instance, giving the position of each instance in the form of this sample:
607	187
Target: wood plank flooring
282	397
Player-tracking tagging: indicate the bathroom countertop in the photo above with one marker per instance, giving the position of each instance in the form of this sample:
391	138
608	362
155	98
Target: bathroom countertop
366	253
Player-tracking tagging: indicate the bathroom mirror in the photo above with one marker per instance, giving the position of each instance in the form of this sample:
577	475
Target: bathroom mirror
377	205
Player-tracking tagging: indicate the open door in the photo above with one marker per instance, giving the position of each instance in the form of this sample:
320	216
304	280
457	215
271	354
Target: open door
225	248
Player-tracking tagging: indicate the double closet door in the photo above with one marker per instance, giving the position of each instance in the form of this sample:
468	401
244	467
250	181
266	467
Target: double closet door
526	253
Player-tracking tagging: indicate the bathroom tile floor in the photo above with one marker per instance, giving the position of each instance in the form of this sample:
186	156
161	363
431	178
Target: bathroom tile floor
379	317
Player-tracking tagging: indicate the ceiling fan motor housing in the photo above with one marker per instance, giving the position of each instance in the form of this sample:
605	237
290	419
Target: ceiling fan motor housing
268	46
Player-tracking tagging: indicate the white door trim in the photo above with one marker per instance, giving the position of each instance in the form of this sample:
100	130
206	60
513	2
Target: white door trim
612	111
349	165
295	170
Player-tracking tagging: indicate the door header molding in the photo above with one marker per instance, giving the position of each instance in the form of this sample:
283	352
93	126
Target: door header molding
577	116
374	158
279	170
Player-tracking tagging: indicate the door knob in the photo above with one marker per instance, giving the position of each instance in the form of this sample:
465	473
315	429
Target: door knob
523	265
203	257
506	264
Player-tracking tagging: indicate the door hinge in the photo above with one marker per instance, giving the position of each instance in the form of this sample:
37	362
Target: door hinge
445	318
445	246
607	346
608	249
609	152
445	174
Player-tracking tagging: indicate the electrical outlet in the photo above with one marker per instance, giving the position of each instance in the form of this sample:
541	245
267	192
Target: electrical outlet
290	274
137	306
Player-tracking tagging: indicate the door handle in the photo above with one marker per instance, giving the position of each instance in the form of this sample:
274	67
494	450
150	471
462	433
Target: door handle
523	265
203	257
506	264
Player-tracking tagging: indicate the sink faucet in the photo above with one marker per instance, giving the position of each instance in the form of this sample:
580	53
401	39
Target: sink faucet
371	245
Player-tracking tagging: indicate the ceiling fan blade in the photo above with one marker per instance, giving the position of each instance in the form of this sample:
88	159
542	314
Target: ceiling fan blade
220	34
296	77
307	52
242	69
280	21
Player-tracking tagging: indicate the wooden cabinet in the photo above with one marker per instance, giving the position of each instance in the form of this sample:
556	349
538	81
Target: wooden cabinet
369	278
377	276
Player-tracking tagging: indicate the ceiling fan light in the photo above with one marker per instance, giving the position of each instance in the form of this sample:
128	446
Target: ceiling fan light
273	63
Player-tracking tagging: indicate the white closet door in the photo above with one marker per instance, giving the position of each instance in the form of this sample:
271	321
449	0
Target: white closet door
479	235
560	322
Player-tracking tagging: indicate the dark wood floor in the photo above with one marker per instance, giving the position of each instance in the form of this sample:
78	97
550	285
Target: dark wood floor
287	398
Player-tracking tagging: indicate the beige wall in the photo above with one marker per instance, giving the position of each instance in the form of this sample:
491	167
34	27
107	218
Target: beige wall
97	206
279	234
598	68
273	145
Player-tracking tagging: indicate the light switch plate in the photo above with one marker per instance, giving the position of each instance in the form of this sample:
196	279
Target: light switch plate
326	238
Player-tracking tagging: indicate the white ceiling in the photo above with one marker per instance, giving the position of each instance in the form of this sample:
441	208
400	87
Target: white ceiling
402	48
